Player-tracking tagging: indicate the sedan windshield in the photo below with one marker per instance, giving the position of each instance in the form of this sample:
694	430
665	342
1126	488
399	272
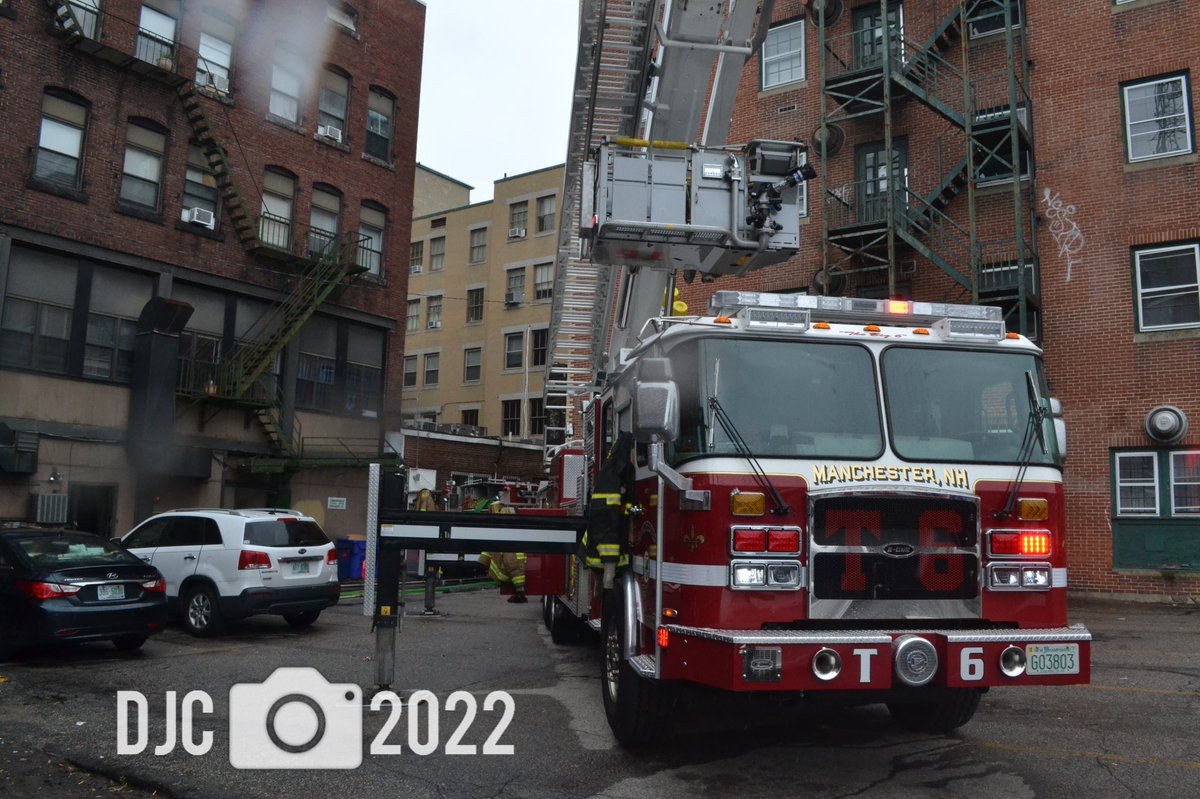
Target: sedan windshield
785	398
962	406
69	549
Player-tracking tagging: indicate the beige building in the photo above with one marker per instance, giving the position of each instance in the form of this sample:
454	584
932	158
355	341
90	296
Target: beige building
479	293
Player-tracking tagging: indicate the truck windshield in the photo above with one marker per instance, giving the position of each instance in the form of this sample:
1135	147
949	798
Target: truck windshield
785	398
961	406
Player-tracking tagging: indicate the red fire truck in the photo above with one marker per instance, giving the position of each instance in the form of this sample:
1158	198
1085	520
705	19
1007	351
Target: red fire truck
831	495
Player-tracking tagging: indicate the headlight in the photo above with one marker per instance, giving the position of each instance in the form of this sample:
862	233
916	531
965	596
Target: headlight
1035	577
783	574
749	574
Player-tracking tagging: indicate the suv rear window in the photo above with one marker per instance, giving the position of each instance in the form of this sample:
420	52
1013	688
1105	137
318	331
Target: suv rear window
285	533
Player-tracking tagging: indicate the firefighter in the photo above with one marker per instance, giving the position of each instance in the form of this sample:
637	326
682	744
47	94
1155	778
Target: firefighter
606	510
424	501
505	568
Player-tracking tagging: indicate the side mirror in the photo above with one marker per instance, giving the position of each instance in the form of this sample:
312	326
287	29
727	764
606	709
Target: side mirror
1060	429
655	402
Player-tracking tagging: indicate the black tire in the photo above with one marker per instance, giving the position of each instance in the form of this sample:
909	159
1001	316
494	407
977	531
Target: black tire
547	610
201	612
952	709
129	643
564	627
638	709
304	618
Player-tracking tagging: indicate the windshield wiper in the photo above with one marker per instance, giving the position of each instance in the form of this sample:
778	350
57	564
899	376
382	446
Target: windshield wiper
781	508
1034	432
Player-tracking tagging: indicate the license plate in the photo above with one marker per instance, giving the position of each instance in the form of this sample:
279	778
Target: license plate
1052	659
300	567
104	592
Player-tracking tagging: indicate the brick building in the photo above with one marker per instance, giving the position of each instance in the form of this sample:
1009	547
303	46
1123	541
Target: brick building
1031	154
203	252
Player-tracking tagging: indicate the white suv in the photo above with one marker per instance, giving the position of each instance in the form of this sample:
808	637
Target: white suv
228	564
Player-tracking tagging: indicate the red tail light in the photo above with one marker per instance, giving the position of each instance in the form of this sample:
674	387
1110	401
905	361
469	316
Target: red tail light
331	557
783	541
158	586
749	540
43	591
253	560
1026	542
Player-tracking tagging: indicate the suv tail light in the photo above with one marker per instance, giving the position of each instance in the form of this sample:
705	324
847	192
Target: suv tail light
331	557
253	560
43	591
156	586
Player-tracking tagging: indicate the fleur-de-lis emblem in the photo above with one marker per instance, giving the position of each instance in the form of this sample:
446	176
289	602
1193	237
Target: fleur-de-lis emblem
693	541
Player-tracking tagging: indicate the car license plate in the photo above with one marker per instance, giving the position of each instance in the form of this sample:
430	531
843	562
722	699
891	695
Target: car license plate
300	568
1052	659
106	592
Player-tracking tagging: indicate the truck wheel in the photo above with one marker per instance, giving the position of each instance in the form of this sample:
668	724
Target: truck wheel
638	709
564	627
952	709
201	615
547	610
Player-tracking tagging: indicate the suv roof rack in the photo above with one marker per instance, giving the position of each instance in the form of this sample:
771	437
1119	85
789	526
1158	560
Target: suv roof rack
205	510
289	511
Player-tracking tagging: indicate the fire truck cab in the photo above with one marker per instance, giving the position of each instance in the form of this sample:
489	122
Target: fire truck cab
832	495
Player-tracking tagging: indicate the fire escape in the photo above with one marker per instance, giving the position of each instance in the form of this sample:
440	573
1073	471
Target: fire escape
318	264
932	97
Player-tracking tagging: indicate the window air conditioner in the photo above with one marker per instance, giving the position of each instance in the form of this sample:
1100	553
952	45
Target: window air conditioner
330	132
514	297
49	508
434	324
516	232
200	216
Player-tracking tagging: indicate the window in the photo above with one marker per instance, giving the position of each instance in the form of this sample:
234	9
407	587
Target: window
470	416
1158	118
199	354
275	223
412	319
323	222
543	281
515	286
213	62
433	312
479	245
545	214
108	353
472	363
35	335
510	418
437	253
410	371
316	372
987	16
783	55
537	417
331	105
514	350
1168	287
518	219
342	15
372	221
431	368
380	109
364	371
416	257
156	38
474	305
539	341
200	185
142	173
86	14
60	143
285	89
1163	483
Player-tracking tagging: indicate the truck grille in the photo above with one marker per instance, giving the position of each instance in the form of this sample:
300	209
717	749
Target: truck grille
895	548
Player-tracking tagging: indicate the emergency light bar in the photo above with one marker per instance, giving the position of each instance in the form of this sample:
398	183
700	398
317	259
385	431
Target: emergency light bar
988	321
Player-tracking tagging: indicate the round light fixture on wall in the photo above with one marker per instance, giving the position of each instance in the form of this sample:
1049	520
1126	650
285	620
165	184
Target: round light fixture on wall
1166	424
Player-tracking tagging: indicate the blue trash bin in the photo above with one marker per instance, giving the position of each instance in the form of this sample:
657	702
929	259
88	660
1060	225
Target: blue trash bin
345	553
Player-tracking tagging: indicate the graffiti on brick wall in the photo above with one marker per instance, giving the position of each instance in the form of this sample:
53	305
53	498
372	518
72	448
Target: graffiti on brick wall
1068	237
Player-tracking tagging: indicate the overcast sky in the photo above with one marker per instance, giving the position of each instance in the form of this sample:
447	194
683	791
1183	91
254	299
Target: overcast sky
496	87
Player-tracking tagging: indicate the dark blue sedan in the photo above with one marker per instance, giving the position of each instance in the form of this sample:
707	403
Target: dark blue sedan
63	586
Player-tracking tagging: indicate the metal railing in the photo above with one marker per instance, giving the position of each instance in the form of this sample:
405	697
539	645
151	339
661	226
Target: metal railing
156	50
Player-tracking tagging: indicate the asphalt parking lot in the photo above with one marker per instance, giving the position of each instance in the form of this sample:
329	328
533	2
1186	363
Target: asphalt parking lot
1130	733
